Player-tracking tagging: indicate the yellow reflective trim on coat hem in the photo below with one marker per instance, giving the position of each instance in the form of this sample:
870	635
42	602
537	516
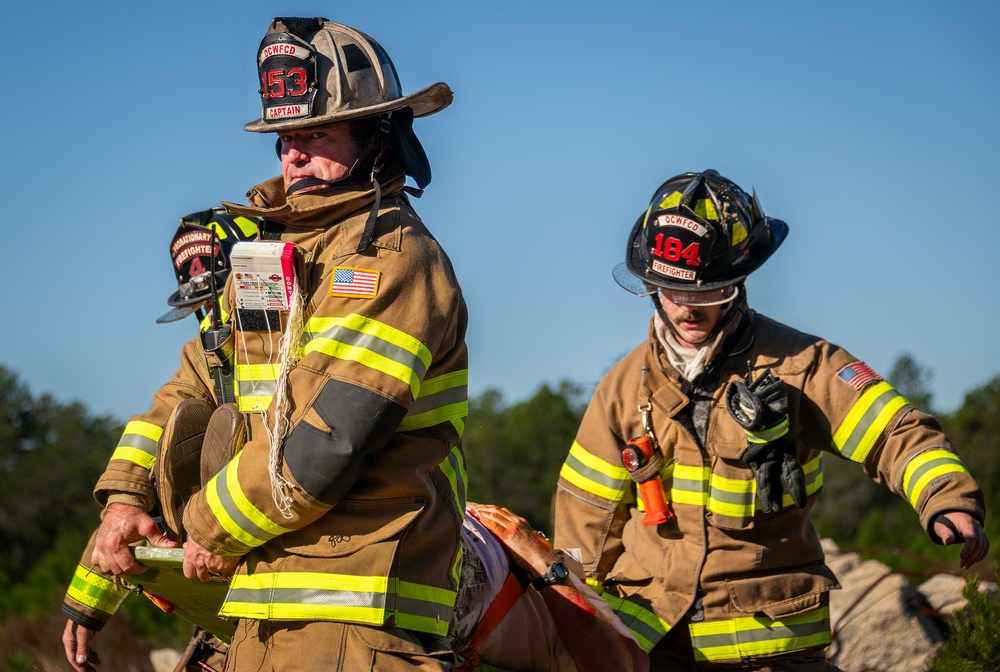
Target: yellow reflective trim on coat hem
757	636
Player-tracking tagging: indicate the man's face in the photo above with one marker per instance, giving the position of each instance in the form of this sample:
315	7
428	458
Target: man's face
327	152
692	324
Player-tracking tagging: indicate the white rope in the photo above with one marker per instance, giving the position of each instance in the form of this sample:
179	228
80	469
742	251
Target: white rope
277	428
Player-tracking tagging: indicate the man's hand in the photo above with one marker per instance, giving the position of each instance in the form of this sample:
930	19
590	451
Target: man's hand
524	546
202	565
124	525
76	641
977	545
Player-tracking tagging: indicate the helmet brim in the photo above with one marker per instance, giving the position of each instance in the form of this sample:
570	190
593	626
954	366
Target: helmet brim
176	313
634	276
427	101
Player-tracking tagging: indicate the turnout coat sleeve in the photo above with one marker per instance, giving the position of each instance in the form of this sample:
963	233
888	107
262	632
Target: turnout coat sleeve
840	405
723	560
127	477
371	367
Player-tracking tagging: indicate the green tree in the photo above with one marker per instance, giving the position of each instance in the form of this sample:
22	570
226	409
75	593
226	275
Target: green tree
913	380
515	452
51	454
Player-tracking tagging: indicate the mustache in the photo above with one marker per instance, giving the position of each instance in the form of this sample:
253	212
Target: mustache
691	315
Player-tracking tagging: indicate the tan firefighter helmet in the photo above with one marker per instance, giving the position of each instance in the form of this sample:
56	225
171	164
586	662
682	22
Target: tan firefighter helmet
313	71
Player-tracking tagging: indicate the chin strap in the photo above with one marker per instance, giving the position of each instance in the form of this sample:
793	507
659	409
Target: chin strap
376	166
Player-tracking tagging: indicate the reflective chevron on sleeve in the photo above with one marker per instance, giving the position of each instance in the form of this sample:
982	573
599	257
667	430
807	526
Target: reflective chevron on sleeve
371	343
867	419
138	443
927	466
237	516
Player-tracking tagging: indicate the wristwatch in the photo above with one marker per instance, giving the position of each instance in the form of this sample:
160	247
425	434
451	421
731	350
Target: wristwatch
556	573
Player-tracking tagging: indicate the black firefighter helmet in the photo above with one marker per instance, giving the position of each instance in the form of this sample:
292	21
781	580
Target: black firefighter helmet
199	249
701	232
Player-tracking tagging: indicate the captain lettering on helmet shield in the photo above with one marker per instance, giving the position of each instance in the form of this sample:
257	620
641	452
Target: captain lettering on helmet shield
743	411
337	519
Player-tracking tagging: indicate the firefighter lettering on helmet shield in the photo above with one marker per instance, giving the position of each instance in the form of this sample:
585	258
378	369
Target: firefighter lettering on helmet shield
337	519
742	412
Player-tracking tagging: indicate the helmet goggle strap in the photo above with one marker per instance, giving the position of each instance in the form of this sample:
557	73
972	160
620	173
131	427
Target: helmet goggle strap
705	297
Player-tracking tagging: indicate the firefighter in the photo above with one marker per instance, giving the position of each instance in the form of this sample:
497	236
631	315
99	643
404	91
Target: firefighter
742	411
199	249
337	521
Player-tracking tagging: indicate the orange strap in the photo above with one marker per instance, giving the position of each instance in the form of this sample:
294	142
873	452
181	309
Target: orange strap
501	605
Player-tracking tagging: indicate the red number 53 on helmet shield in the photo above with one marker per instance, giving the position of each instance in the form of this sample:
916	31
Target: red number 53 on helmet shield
287	69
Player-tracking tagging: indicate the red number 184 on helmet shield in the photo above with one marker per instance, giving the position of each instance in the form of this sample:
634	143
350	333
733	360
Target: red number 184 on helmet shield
700	233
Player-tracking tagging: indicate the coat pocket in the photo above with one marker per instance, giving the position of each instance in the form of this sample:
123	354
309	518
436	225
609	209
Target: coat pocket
353	525
785	594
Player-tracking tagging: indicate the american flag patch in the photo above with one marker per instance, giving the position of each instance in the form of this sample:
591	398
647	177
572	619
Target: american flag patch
858	374
354	283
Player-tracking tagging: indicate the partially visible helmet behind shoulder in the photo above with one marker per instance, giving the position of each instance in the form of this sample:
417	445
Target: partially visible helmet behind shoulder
700	232
200	249
313	71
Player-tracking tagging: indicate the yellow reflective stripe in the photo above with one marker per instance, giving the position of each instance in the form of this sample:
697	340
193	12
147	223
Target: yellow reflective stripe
307	595
442	399
138	443
247	226
690	485
732	497
866	421
670	201
594	475
706	208
813	470
206	321
759	636
647	627
255	386
95	591
453	468
371	343
927	466
423	608
459	425
456	567
235	513
770	434
360	599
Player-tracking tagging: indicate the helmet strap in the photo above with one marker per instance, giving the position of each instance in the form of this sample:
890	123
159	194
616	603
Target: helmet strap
383	139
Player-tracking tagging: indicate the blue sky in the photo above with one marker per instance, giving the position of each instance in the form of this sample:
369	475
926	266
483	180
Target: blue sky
871	128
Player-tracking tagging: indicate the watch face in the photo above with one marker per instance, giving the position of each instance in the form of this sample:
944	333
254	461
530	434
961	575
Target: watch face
559	572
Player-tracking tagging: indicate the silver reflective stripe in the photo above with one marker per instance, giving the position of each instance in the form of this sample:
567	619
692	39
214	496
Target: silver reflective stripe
454	395
317	596
594	475
348	336
234	512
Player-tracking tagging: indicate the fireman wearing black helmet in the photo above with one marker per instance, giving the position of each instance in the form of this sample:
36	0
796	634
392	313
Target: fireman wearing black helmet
741	411
337	522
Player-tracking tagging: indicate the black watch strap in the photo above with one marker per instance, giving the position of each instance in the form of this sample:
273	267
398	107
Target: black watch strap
556	573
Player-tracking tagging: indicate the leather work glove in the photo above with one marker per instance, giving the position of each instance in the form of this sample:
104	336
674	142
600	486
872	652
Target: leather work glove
761	408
